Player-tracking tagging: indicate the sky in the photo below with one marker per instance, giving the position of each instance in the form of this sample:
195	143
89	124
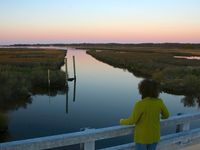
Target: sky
99	21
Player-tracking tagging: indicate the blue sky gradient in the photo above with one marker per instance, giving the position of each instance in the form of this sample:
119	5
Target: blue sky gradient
46	21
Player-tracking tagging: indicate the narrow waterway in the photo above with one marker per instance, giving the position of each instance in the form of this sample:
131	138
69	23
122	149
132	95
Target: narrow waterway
100	96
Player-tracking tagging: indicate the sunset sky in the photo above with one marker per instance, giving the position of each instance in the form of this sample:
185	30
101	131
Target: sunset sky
97	21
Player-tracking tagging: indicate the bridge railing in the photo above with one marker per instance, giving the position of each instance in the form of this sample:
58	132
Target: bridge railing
89	136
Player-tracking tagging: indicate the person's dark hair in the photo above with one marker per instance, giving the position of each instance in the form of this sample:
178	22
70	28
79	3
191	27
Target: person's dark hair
149	88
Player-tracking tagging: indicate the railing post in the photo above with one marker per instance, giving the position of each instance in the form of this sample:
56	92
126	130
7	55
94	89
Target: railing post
185	126
182	127
89	145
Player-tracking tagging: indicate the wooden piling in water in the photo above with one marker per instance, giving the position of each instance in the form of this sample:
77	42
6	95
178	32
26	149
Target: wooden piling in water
74	67
66	70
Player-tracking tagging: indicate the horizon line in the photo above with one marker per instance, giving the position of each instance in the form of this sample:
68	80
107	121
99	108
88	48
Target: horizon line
121	43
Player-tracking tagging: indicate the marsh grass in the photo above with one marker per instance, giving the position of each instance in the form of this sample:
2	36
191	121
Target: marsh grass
177	76
24	72
24	57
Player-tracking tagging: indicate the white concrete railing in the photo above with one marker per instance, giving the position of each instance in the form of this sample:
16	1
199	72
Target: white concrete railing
89	136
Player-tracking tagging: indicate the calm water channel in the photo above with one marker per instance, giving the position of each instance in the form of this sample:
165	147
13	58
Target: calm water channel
103	95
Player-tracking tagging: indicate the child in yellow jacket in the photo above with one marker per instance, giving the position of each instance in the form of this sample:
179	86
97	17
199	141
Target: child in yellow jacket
146	116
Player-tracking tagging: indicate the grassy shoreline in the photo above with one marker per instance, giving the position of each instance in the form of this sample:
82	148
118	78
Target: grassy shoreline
177	76
24	72
24	57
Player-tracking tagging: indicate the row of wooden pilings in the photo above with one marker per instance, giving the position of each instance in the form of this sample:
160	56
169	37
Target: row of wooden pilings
67	79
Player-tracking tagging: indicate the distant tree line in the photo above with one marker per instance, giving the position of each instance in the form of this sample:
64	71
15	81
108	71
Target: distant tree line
96	45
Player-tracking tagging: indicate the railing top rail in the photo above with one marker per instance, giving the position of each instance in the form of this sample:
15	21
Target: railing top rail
88	135
180	119
68	139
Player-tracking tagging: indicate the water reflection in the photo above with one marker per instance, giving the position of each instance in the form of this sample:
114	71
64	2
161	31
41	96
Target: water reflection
191	101
14	91
67	96
70	80
17	90
74	95
67	101
4	134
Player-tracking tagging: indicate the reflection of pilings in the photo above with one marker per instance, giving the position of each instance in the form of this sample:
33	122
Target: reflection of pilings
70	79
67	87
67	101
74	67
49	83
74	96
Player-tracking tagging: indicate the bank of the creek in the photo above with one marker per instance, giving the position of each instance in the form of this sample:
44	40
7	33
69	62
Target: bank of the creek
177	76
